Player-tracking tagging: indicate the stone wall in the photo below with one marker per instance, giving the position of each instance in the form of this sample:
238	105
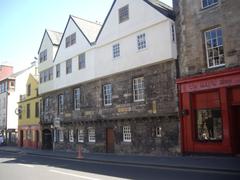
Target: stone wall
158	109
192	21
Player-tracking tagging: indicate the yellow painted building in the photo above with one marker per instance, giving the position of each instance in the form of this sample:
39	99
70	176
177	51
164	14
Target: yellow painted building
29	115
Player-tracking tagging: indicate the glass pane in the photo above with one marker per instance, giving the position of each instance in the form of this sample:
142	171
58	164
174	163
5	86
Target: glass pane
214	42
209	125
220	42
213	34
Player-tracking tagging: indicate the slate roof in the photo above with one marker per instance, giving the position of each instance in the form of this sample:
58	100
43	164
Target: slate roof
55	37
88	28
162	8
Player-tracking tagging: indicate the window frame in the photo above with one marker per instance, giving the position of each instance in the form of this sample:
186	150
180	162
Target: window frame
29	90
71	135
36	109
69	66
58	70
60	104
60	135
77	98
82	61
141	41
137	92
81	135
116	50
28	114
70	40
123	14
209	5
127	135
207	49
107	94
91	135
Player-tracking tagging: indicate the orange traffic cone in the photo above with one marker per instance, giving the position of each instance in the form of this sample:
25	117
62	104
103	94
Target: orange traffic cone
80	156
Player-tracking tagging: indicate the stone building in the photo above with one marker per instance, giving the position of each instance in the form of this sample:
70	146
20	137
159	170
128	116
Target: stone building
112	87
209	87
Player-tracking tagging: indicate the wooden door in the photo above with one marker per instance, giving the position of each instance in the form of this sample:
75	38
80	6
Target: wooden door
109	140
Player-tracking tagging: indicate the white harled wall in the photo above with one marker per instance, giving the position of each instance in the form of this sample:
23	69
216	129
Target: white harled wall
99	58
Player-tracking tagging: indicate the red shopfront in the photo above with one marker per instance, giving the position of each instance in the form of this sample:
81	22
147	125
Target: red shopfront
209	105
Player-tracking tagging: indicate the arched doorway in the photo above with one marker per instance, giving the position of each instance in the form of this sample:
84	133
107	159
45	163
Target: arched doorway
47	139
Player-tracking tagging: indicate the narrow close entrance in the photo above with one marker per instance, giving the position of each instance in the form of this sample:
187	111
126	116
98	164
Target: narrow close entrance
109	140
236	126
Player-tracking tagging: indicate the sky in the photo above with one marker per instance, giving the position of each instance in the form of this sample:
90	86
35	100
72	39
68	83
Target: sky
23	22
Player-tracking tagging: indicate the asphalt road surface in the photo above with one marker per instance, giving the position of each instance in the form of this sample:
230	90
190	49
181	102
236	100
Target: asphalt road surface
18	166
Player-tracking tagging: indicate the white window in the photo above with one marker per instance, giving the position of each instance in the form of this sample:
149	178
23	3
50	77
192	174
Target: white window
116	50
123	14
138	89
141	41
60	103
43	56
80	135
91	135
81	61
61	135
214	47
58	70
208	3
127	134
77	98
46	75
71	135
69	66
70	40
159	131
107	94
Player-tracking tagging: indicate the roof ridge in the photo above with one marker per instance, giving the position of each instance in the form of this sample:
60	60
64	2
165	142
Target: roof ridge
86	20
54	31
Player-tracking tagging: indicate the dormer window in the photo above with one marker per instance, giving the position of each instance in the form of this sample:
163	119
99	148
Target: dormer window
70	40
43	56
123	14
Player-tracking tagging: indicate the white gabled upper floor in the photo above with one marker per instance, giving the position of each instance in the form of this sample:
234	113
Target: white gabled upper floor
48	49
134	34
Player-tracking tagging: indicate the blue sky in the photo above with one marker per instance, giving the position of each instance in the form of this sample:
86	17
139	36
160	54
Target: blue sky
22	24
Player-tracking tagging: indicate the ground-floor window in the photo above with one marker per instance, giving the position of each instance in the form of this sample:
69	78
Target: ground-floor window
159	131
61	135
127	134
209	125
80	135
71	135
91	135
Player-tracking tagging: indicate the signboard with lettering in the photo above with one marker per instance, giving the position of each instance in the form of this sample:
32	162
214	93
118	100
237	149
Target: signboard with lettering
211	83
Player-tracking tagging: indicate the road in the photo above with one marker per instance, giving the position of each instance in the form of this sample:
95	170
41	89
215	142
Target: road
34	167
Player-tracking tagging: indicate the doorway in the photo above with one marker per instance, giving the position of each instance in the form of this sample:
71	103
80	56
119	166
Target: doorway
236	126
21	138
109	140
37	139
47	139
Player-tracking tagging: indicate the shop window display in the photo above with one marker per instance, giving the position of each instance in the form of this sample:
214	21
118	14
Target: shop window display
209	125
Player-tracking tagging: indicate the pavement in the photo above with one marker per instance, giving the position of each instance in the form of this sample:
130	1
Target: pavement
191	162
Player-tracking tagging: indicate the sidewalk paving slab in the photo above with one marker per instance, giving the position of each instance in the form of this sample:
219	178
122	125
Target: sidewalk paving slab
216	163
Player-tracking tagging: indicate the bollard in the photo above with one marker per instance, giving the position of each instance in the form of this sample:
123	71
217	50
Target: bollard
80	156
